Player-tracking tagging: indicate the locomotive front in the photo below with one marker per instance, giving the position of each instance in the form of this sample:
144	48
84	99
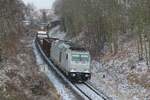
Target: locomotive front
80	69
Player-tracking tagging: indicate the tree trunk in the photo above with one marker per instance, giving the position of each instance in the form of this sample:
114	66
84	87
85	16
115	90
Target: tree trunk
146	54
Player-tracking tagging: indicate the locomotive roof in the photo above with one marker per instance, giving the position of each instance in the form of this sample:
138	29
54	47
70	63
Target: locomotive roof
74	46
70	45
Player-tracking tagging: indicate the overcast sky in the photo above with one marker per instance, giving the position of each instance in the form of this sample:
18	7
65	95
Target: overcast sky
41	4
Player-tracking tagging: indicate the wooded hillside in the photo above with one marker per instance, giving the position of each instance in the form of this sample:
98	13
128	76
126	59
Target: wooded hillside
107	23
11	14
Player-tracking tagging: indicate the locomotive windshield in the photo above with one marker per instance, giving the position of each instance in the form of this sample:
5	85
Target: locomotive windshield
84	58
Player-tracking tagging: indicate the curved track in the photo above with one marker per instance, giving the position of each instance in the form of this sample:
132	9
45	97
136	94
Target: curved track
85	90
90	92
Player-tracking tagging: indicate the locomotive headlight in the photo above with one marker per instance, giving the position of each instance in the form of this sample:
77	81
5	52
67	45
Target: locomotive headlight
86	75
73	74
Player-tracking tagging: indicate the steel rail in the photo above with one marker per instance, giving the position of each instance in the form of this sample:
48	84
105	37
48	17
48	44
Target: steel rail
100	93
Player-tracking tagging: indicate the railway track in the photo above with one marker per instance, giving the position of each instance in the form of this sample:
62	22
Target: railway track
90	92
85	90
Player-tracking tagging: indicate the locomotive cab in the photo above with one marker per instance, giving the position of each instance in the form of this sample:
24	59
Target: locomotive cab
79	66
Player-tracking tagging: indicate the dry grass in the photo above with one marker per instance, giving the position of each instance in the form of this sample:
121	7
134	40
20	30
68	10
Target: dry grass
143	80
38	86
26	82
11	93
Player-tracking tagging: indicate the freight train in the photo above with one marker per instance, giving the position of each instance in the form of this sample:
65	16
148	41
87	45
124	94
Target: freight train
74	61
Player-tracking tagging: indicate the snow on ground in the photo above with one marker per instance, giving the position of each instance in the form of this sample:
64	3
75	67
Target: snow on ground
122	77
62	89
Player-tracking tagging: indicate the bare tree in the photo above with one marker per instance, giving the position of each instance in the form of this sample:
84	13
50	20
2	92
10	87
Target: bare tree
103	22
11	14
